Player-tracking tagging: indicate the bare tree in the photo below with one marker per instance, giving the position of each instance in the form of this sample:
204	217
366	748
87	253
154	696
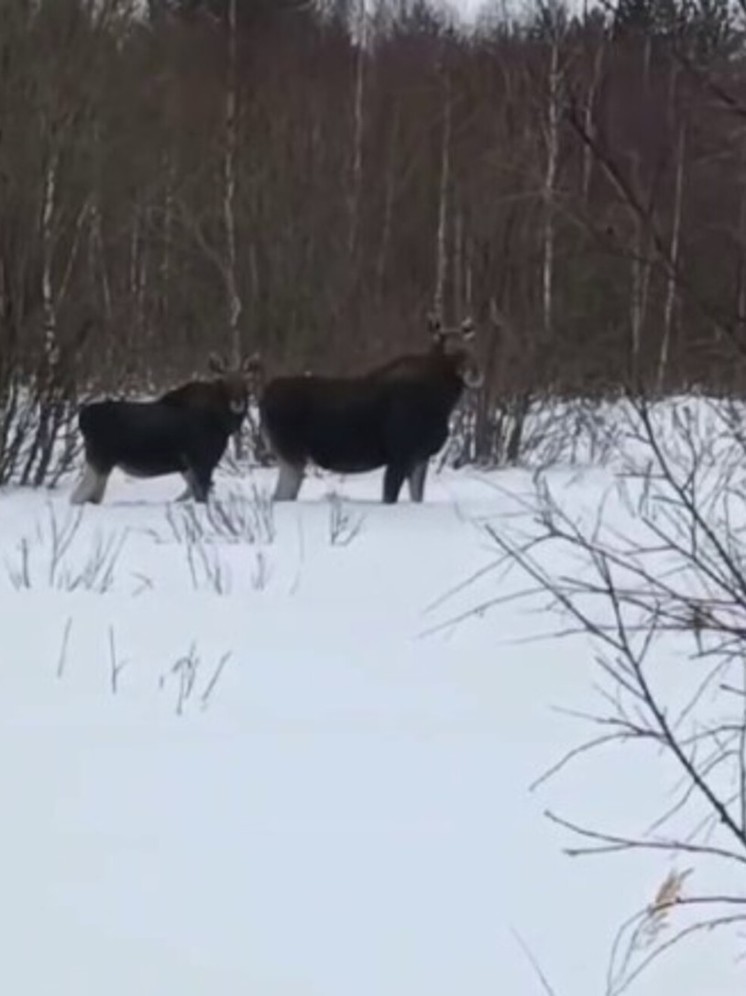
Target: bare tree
356	168
670	299
229	189
441	246
553	17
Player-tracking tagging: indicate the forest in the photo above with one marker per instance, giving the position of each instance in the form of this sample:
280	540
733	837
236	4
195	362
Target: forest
310	179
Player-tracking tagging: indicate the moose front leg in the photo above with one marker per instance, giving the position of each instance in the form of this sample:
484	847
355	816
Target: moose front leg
189	490
289	480
416	481
393	479
198	477
91	486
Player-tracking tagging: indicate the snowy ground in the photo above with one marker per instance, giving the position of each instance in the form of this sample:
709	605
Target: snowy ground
256	764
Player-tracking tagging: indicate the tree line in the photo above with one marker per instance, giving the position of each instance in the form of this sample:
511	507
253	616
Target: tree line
310	179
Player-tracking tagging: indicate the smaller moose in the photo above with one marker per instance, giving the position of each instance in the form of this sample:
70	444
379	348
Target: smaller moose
394	416
185	431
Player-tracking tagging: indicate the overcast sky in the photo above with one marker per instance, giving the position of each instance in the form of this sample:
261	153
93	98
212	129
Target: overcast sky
471	7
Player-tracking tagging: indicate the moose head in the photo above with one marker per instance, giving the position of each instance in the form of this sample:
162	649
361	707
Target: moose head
456	347
236	384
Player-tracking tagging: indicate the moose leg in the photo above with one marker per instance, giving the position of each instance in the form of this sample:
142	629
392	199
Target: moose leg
416	481
393	479
289	480
91	486
201	492
199	481
188	491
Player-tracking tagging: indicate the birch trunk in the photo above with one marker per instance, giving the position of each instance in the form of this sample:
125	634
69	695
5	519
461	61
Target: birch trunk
668	307
640	282
388	207
97	260
356	169
675	242
741	303
137	283
458	263
49	192
640	262
550	178
468	276
585	183
168	228
38	453
441	258
234	302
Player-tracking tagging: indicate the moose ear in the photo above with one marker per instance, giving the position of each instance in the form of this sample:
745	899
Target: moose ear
468	329
215	364
434	324
252	364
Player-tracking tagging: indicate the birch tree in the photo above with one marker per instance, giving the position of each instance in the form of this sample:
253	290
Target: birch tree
356	165
441	247
235	304
670	298
550	176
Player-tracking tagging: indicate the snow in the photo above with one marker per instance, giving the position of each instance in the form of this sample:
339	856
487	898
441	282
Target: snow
272	764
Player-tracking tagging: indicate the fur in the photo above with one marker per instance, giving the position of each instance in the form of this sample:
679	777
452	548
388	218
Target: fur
186	431
395	416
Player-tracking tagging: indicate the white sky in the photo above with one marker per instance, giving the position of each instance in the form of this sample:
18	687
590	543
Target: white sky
470	8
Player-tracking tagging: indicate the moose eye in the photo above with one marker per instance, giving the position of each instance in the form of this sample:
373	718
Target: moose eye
238	406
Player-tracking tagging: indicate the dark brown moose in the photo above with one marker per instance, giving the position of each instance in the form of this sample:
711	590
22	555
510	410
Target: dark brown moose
394	416
184	431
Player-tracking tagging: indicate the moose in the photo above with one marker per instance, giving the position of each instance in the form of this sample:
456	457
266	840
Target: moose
394	416
184	431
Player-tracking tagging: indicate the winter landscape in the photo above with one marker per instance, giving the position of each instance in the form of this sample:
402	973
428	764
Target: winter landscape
277	749
490	742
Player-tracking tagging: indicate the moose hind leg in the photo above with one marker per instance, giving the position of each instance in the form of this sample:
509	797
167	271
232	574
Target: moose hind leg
199	483
393	478
416	481
289	480
90	487
188	491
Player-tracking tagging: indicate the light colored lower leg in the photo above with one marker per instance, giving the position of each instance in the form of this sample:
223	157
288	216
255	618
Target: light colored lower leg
91	487
188	492
289	480
416	481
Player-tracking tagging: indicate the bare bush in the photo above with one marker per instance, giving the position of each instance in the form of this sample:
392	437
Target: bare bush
116	663
207	569
344	525
58	556
542	432
62	657
659	587
247	520
243	518
186	672
36	446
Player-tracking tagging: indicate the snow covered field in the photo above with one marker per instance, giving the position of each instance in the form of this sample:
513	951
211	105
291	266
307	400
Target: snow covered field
245	755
